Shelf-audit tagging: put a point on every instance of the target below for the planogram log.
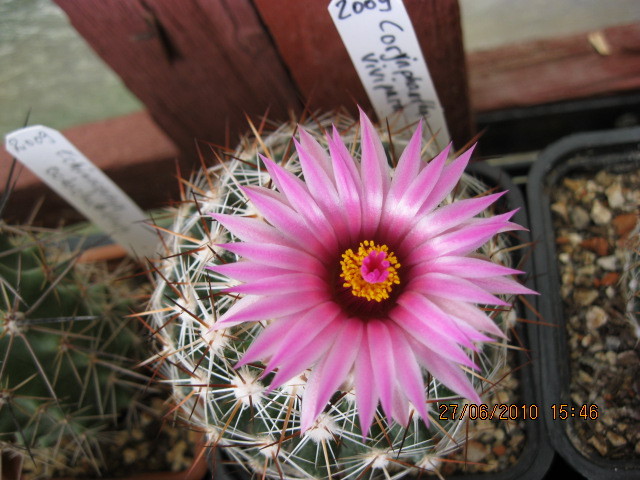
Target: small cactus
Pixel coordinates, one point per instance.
(66, 351)
(258, 427)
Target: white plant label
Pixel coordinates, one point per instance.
(384, 49)
(59, 164)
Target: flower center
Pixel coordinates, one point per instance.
(371, 272)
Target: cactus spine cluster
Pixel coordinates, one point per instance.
(258, 428)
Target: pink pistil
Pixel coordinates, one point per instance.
(375, 267)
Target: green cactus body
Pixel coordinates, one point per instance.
(256, 428)
(66, 352)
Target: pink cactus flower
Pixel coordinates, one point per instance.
(360, 273)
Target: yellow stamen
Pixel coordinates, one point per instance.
(379, 280)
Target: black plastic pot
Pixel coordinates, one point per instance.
(536, 456)
(617, 150)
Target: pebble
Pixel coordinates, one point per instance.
(605, 418)
(580, 218)
(575, 239)
(599, 445)
(616, 440)
(598, 245)
(560, 208)
(476, 451)
(612, 343)
(564, 257)
(596, 318)
(588, 270)
(608, 263)
(576, 186)
(592, 186)
(499, 450)
(608, 279)
(584, 377)
(628, 358)
(585, 297)
(600, 214)
(624, 223)
(615, 198)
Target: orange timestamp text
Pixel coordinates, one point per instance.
(473, 411)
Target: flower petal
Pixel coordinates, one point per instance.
(247, 271)
(420, 330)
(301, 335)
(453, 288)
(401, 212)
(300, 199)
(433, 320)
(445, 371)
(382, 363)
(408, 166)
(251, 229)
(277, 256)
(470, 314)
(253, 308)
(348, 186)
(366, 394)
(269, 340)
(462, 241)
(503, 285)
(293, 365)
(290, 283)
(374, 172)
(284, 218)
(448, 179)
(465, 267)
(332, 370)
(317, 157)
(400, 409)
(408, 373)
(452, 215)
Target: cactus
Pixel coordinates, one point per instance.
(257, 427)
(66, 350)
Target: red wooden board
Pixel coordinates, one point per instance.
(197, 65)
(555, 69)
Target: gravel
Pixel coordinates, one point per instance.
(594, 219)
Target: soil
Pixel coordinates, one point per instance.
(152, 445)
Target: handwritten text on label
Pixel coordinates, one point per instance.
(49, 155)
(384, 49)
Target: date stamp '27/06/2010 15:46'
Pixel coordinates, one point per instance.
(452, 411)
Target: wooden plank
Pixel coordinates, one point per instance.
(439, 30)
(318, 62)
(556, 69)
(197, 65)
(131, 150)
